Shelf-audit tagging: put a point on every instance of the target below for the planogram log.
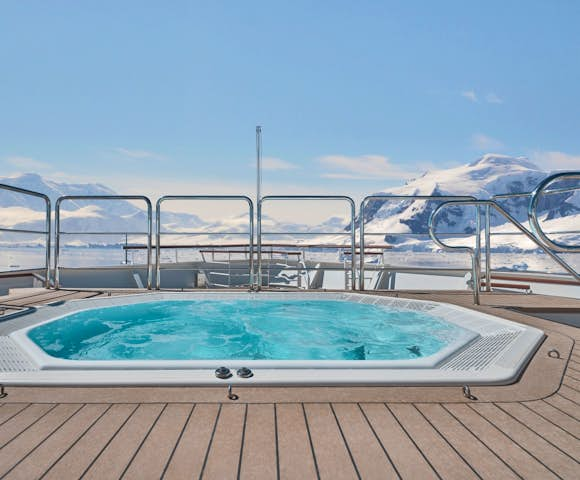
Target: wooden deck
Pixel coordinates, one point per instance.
(529, 430)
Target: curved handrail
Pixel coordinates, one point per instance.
(370, 198)
(259, 234)
(475, 258)
(158, 231)
(100, 197)
(533, 211)
(47, 230)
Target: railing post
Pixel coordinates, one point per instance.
(487, 248)
(476, 262)
(259, 245)
(47, 227)
(158, 243)
(361, 233)
(57, 243)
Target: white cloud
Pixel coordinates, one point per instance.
(273, 163)
(556, 160)
(481, 141)
(493, 98)
(138, 154)
(364, 167)
(490, 97)
(470, 95)
(27, 163)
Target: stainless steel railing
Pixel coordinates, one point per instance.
(538, 192)
(158, 232)
(475, 252)
(391, 198)
(59, 233)
(47, 223)
(341, 198)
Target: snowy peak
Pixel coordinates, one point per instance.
(498, 160)
(490, 175)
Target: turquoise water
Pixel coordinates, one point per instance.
(244, 329)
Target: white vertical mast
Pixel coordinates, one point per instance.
(258, 163)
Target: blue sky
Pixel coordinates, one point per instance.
(163, 97)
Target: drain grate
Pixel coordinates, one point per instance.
(12, 359)
(482, 352)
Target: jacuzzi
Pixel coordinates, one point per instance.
(286, 338)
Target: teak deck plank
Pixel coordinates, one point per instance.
(296, 460)
(155, 452)
(82, 453)
(48, 452)
(407, 458)
(259, 454)
(370, 458)
(9, 410)
(444, 459)
(331, 453)
(555, 416)
(223, 456)
(12, 453)
(117, 456)
(189, 454)
(481, 458)
(565, 405)
(502, 445)
(23, 420)
(551, 457)
(546, 429)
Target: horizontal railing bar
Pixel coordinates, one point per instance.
(204, 233)
(20, 230)
(103, 233)
(411, 234)
(306, 233)
(266, 245)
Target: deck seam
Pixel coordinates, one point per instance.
(80, 437)
(310, 442)
(566, 374)
(145, 437)
(514, 441)
(50, 434)
(344, 440)
(571, 388)
(379, 440)
(561, 411)
(413, 442)
(14, 414)
(447, 441)
(30, 426)
(210, 441)
(277, 442)
(550, 421)
(572, 401)
(108, 442)
(536, 434)
(168, 462)
(242, 441)
(485, 445)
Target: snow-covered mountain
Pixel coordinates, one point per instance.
(25, 212)
(488, 176)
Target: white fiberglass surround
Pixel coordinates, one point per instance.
(491, 350)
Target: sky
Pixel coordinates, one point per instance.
(156, 97)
